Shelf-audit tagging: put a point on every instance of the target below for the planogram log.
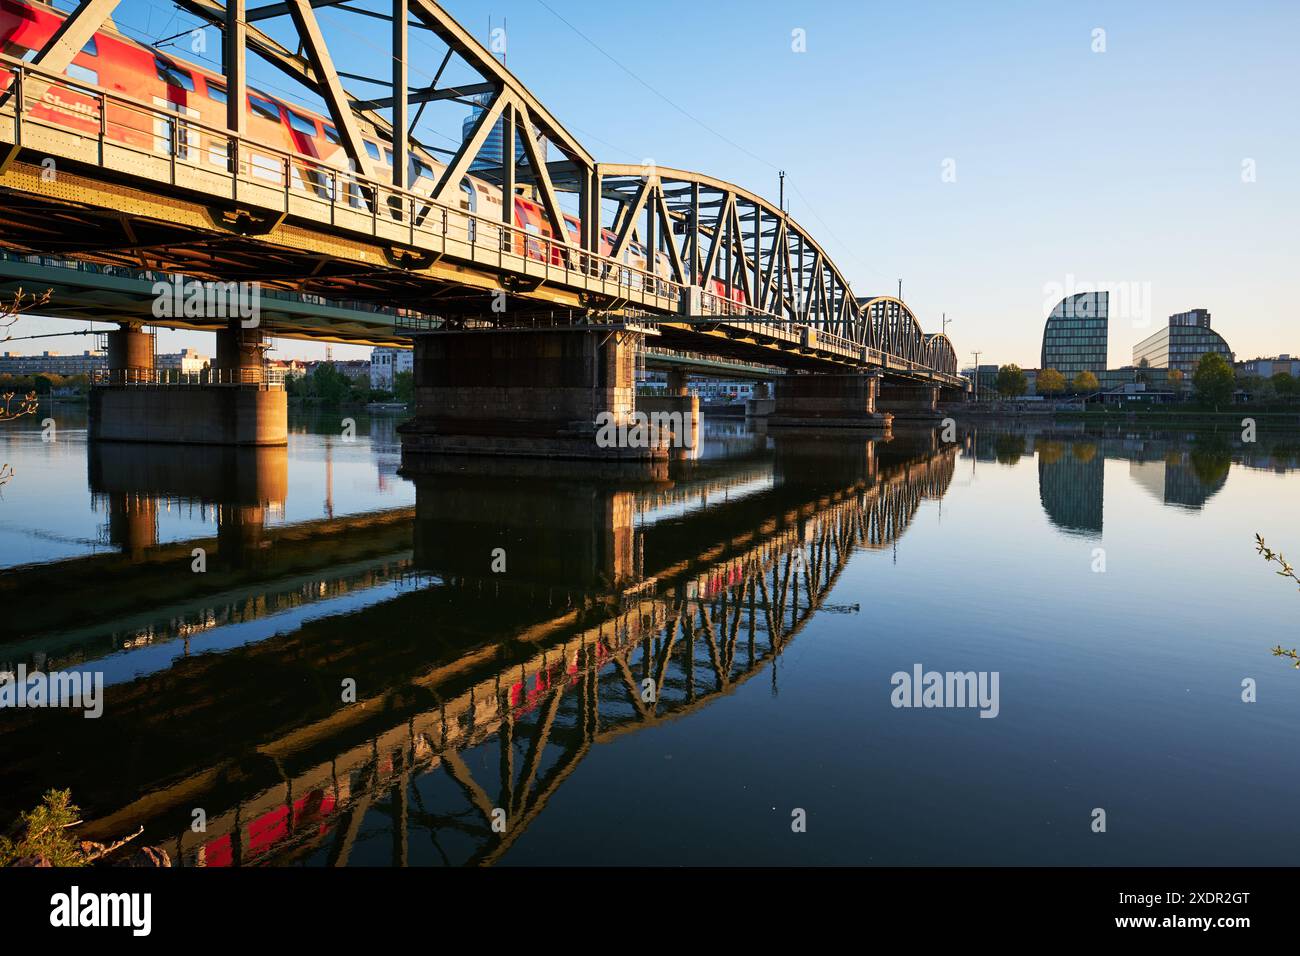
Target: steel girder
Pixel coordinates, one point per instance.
(939, 353)
(893, 328)
(713, 233)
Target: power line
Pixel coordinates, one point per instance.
(703, 125)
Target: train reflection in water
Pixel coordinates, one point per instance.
(622, 606)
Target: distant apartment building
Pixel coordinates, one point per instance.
(1181, 344)
(52, 363)
(356, 369)
(984, 380)
(290, 368)
(1076, 335)
(1268, 367)
(186, 360)
(385, 364)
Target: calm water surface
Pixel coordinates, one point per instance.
(567, 669)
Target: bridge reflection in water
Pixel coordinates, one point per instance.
(621, 607)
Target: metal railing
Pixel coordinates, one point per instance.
(195, 154)
(260, 377)
(398, 314)
(120, 133)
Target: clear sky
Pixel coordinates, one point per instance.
(985, 153)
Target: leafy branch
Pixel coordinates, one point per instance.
(27, 405)
(21, 302)
(44, 837)
(1286, 570)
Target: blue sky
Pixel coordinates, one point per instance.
(1121, 168)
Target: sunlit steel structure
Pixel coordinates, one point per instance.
(362, 235)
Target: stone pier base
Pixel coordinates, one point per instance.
(911, 402)
(518, 393)
(683, 421)
(189, 414)
(828, 401)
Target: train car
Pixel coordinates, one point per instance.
(132, 70)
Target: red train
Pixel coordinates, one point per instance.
(127, 68)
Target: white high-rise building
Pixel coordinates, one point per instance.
(386, 363)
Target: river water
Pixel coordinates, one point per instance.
(310, 659)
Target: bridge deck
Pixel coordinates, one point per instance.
(193, 199)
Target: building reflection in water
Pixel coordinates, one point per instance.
(1183, 477)
(1071, 484)
(1072, 475)
(623, 604)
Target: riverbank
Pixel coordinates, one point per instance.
(1169, 415)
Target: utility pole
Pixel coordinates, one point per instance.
(900, 290)
(977, 374)
(781, 202)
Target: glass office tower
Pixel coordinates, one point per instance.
(1075, 337)
(1182, 343)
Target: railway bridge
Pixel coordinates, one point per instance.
(525, 332)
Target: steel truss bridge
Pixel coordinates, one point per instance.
(717, 607)
(194, 204)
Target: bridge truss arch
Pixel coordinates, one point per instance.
(893, 328)
(940, 353)
(735, 244)
(728, 251)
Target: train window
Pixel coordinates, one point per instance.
(423, 169)
(16, 50)
(91, 48)
(302, 124)
(388, 156)
(174, 75)
(263, 167)
(332, 134)
(216, 93)
(372, 149)
(82, 75)
(264, 108)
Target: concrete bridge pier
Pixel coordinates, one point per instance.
(949, 395)
(914, 402)
(231, 403)
(829, 401)
(561, 394)
(683, 410)
(130, 352)
(240, 355)
(761, 405)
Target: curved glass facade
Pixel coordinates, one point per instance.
(1076, 335)
(1182, 343)
(493, 152)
